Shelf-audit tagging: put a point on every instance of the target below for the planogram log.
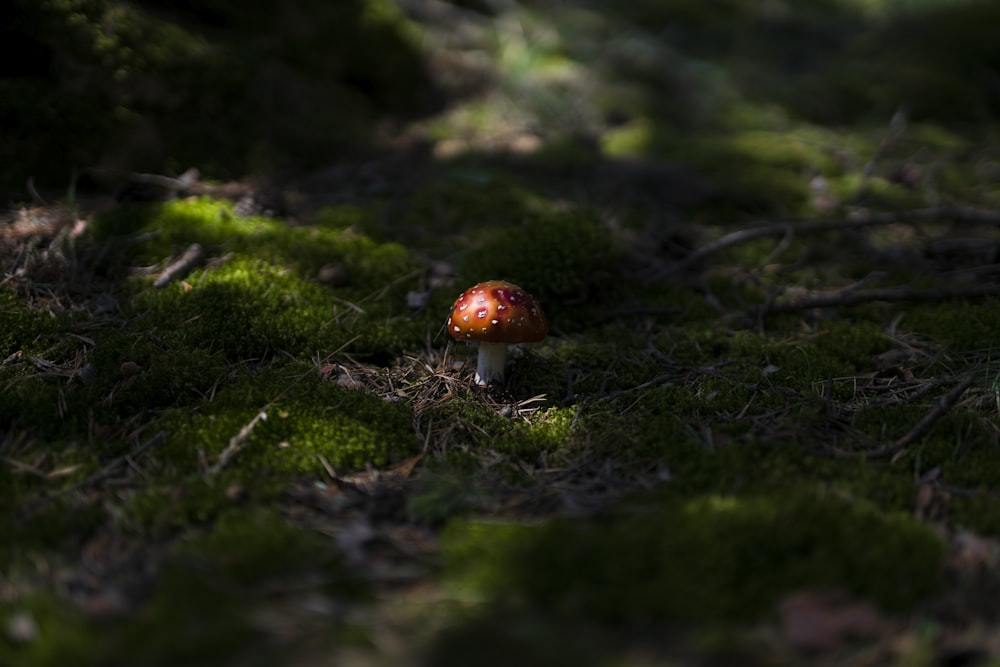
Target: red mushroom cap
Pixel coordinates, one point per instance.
(496, 311)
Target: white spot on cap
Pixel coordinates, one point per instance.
(457, 328)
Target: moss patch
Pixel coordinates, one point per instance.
(306, 418)
(266, 298)
(211, 592)
(20, 326)
(703, 560)
(568, 261)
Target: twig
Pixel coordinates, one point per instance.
(897, 125)
(943, 406)
(951, 214)
(655, 382)
(181, 266)
(236, 443)
(187, 181)
(34, 193)
(854, 298)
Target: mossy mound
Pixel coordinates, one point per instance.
(308, 420)
(267, 298)
(336, 237)
(247, 309)
(710, 559)
(568, 260)
(212, 591)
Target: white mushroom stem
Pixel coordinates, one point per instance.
(489, 366)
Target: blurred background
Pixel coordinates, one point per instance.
(778, 104)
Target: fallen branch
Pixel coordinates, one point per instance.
(186, 183)
(950, 214)
(854, 298)
(181, 266)
(897, 125)
(236, 443)
(939, 410)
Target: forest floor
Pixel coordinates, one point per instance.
(763, 429)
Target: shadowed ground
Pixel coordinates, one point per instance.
(762, 429)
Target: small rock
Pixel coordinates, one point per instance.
(417, 300)
(106, 303)
(87, 374)
(332, 274)
(22, 628)
(129, 368)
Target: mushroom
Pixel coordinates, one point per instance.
(493, 314)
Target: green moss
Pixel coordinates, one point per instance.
(34, 401)
(249, 309)
(20, 326)
(977, 512)
(959, 326)
(837, 349)
(245, 547)
(749, 361)
(710, 559)
(170, 377)
(630, 139)
(245, 310)
(548, 430)
(306, 418)
(567, 260)
(335, 238)
(64, 636)
(606, 360)
(440, 496)
(213, 582)
(265, 298)
(882, 194)
(61, 409)
(469, 197)
(59, 526)
(480, 429)
(177, 504)
(163, 229)
(653, 425)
